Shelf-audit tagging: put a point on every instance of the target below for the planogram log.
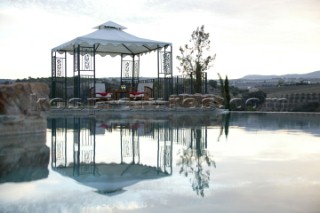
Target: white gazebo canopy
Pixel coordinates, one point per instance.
(110, 39)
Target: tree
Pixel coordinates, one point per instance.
(225, 91)
(213, 83)
(194, 59)
(256, 94)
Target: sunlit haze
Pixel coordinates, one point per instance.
(248, 36)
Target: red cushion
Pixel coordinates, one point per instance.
(104, 93)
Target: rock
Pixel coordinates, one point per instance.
(23, 98)
(24, 155)
(20, 107)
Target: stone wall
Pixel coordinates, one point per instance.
(196, 100)
(291, 102)
(23, 98)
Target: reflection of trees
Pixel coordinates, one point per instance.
(224, 125)
(196, 160)
(190, 131)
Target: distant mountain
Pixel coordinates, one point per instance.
(315, 74)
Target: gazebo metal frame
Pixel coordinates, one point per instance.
(109, 39)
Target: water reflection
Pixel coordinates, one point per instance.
(306, 122)
(265, 158)
(107, 176)
(195, 160)
(224, 129)
(133, 149)
(24, 158)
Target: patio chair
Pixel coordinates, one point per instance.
(144, 92)
(101, 93)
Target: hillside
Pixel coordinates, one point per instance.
(293, 89)
(315, 74)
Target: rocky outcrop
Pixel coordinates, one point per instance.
(23, 98)
(23, 157)
(20, 107)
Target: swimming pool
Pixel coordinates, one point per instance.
(237, 162)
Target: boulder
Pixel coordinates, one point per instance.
(20, 108)
(23, 98)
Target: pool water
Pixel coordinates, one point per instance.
(237, 162)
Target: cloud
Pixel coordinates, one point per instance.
(52, 5)
(256, 35)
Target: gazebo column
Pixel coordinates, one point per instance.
(135, 70)
(158, 70)
(84, 71)
(76, 93)
(121, 73)
(132, 79)
(165, 74)
(129, 69)
(59, 75)
(53, 74)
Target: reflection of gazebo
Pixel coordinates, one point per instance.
(108, 39)
(112, 178)
(78, 158)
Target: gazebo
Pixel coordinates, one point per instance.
(109, 39)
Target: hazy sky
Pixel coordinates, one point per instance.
(248, 36)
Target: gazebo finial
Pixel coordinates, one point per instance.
(110, 24)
